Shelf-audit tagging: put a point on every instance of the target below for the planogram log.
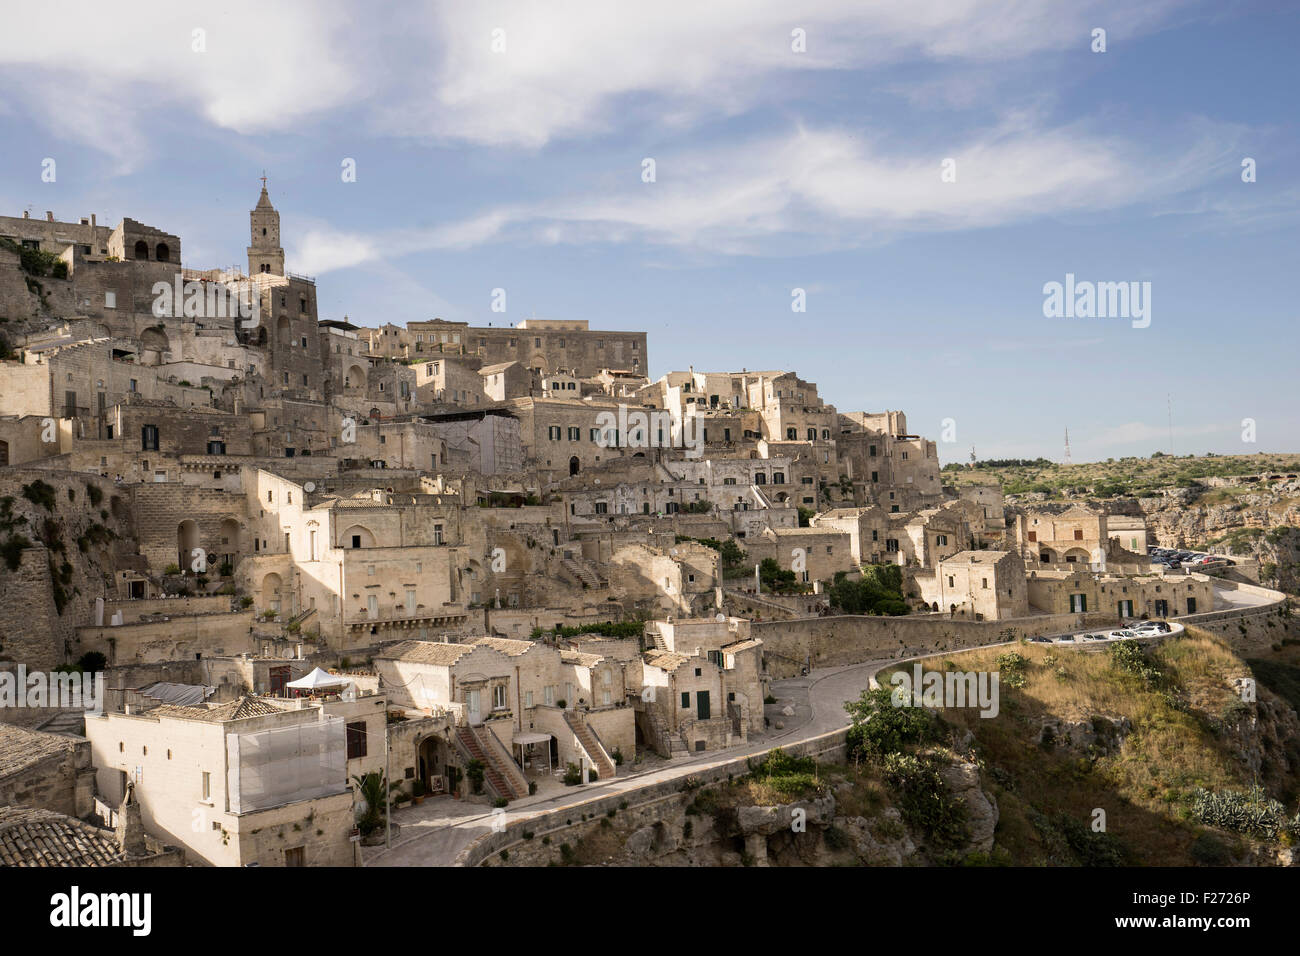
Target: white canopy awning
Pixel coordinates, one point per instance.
(318, 680)
(532, 738)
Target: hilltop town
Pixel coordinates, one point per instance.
(484, 564)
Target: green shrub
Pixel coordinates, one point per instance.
(39, 493)
(924, 801)
(879, 728)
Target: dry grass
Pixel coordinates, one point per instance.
(1145, 787)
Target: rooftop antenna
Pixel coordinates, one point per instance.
(1067, 446)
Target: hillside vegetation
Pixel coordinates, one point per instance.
(1158, 738)
(1116, 477)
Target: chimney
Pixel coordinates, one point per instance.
(26, 214)
(130, 827)
(49, 216)
(92, 219)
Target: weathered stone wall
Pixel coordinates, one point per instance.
(833, 641)
(208, 634)
(62, 782)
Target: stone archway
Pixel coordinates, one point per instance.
(187, 542)
(229, 540)
(272, 592)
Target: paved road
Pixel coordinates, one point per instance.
(433, 834)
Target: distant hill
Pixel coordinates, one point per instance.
(1116, 477)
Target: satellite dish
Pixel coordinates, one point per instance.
(721, 617)
(309, 487)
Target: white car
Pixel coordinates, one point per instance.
(1123, 635)
(1147, 627)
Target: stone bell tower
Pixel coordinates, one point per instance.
(265, 254)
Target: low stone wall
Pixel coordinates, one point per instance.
(852, 639)
(831, 747)
(226, 634)
(132, 611)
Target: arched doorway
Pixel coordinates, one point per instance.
(230, 544)
(574, 465)
(187, 542)
(358, 536)
(141, 249)
(432, 758)
(271, 588)
(162, 253)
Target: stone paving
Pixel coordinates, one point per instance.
(435, 832)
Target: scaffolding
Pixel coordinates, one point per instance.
(271, 768)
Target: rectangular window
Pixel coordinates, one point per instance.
(437, 534)
(356, 736)
(207, 785)
(686, 700)
(149, 438)
(110, 300)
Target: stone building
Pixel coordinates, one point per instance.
(1126, 596)
(978, 585)
(247, 782)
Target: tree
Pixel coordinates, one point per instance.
(879, 728)
(374, 788)
(878, 591)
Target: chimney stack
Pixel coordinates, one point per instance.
(130, 826)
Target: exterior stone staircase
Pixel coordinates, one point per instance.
(585, 572)
(601, 762)
(69, 722)
(496, 776)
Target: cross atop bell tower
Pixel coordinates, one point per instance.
(265, 255)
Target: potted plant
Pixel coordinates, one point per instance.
(417, 792)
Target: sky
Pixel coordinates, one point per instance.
(915, 173)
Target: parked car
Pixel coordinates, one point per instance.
(1040, 640)
(1094, 637)
(1067, 639)
(1123, 635)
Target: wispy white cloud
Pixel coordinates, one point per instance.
(816, 188)
(569, 69)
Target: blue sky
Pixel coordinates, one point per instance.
(521, 168)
